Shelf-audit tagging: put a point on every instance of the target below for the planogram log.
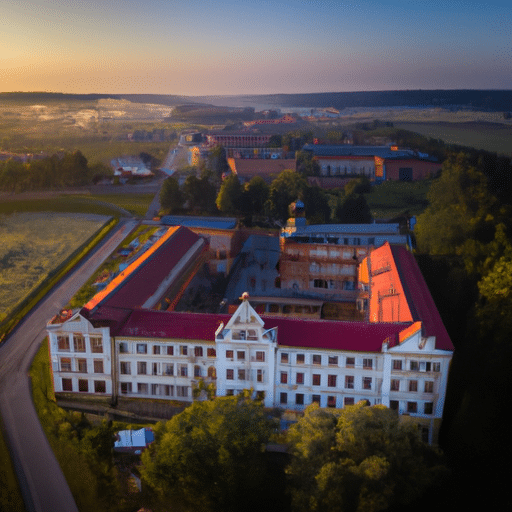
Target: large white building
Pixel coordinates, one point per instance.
(109, 350)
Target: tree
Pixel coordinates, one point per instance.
(306, 164)
(353, 209)
(217, 162)
(254, 196)
(359, 458)
(286, 188)
(461, 207)
(171, 198)
(211, 456)
(230, 195)
(200, 193)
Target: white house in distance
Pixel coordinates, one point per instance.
(126, 353)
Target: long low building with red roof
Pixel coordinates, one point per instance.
(400, 360)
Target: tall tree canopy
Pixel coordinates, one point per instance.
(358, 458)
(171, 198)
(211, 456)
(286, 188)
(230, 195)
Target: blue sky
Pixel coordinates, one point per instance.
(242, 47)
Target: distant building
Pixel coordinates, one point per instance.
(130, 166)
(376, 162)
(268, 169)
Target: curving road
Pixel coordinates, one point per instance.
(42, 482)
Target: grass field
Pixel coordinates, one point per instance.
(137, 204)
(392, 198)
(488, 136)
(33, 244)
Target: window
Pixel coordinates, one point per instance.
(126, 387)
(96, 345)
(333, 360)
(317, 359)
(65, 364)
(348, 400)
(81, 365)
(67, 385)
(319, 283)
(98, 366)
(259, 375)
(78, 343)
(154, 389)
(210, 352)
(299, 378)
(315, 399)
(154, 369)
(141, 368)
(397, 364)
(349, 381)
(230, 392)
(142, 348)
(284, 357)
(183, 369)
(99, 386)
(393, 405)
(283, 398)
(414, 366)
(331, 401)
(429, 386)
(412, 407)
(142, 388)
(198, 351)
(351, 362)
(83, 385)
(156, 350)
(260, 395)
(395, 385)
(168, 369)
(240, 355)
(125, 368)
(170, 350)
(300, 358)
(413, 386)
(260, 356)
(367, 383)
(284, 378)
(316, 379)
(63, 343)
(168, 390)
(436, 367)
(331, 381)
(367, 364)
(229, 354)
(182, 391)
(230, 374)
(241, 374)
(183, 350)
(197, 371)
(428, 408)
(123, 348)
(299, 399)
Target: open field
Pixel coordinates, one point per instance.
(392, 198)
(33, 244)
(494, 137)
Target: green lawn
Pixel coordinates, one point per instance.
(393, 198)
(492, 137)
(137, 204)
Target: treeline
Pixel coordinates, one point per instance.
(53, 172)
(464, 245)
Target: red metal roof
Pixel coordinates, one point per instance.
(291, 332)
(137, 283)
(419, 299)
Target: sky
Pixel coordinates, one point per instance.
(226, 47)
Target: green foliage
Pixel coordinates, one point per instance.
(286, 188)
(229, 199)
(358, 458)
(254, 196)
(82, 450)
(353, 209)
(200, 194)
(459, 208)
(217, 162)
(306, 164)
(211, 456)
(171, 198)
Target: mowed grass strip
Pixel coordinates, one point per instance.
(33, 244)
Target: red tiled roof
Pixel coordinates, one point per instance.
(249, 167)
(291, 332)
(137, 283)
(419, 299)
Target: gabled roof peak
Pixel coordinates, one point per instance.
(245, 314)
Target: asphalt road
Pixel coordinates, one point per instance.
(42, 482)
